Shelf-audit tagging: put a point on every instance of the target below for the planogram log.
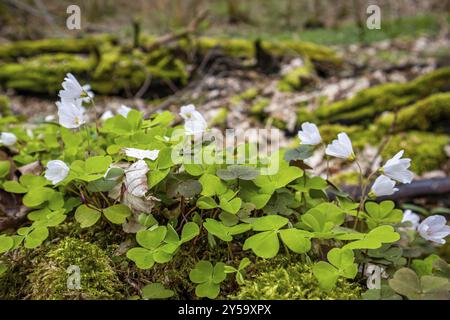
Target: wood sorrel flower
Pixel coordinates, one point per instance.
(56, 171)
(412, 218)
(8, 138)
(106, 115)
(136, 178)
(383, 186)
(124, 110)
(70, 113)
(341, 147)
(309, 134)
(434, 228)
(397, 168)
(141, 154)
(74, 91)
(194, 121)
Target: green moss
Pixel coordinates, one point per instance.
(43, 73)
(220, 118)
(258, 107)
(292, 281)
(61, 45)
(239, 47)
(430, 114)
(358, 134)
(425, 149)
(369, 103)
(346, 178)
(98, 279)
(5, 109)
(247, 96)
(295, 79)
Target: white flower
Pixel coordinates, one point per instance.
(88, 92)
(106, 115)
(397, 168)
(341, 147)
(434, 228)
(123, 110)
(50, 118)
(73, 90)
(141, 154)
(383, 186)
(413, 218)
(70, 113)
(309, 134)
(136, 178)
(56, 171)
(8, 138)
(194, 123)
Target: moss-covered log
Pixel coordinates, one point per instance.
(369, 103)
(30, 48)
(429, 114)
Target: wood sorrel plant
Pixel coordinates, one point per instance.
(124, 171)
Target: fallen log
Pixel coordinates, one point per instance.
(416, 189)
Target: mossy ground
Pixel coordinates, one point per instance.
(290, 279)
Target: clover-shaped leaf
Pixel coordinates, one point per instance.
(6, 243)
(207, 278)
(224, 232)
(156, 291)
(211, 185)
(86, 216)
(239, 271)
(407, 283)
(302, 152)
(341, 263)
(117, 213)
(382, 213)
(372, 240)
(238, 172)
(266, 244)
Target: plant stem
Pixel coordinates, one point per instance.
(97, 126)
(88, 136)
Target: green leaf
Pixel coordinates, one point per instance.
(208, 289)
(86, 216)
(206, 203)
(36, 237)
(156, 176)
(341, 264)
(6, 243)
(382, 213)
(406, 282)
(142, 257)
(37, 196)
(5, 166)
(224, 232)
(156, 291)
(208, 278)
(233, 172)
(272, 222)
(117, 214)
(151, 239)
(211, 185)
(326, 274)
(285, 175)
(189, 188)
(302, 152)
(14, 187)
(375, 238)
(194, 169)
(295, 240)
(264, 244)
(202, 272)
(189, 232)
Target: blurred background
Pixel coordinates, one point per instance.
(247, 64)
